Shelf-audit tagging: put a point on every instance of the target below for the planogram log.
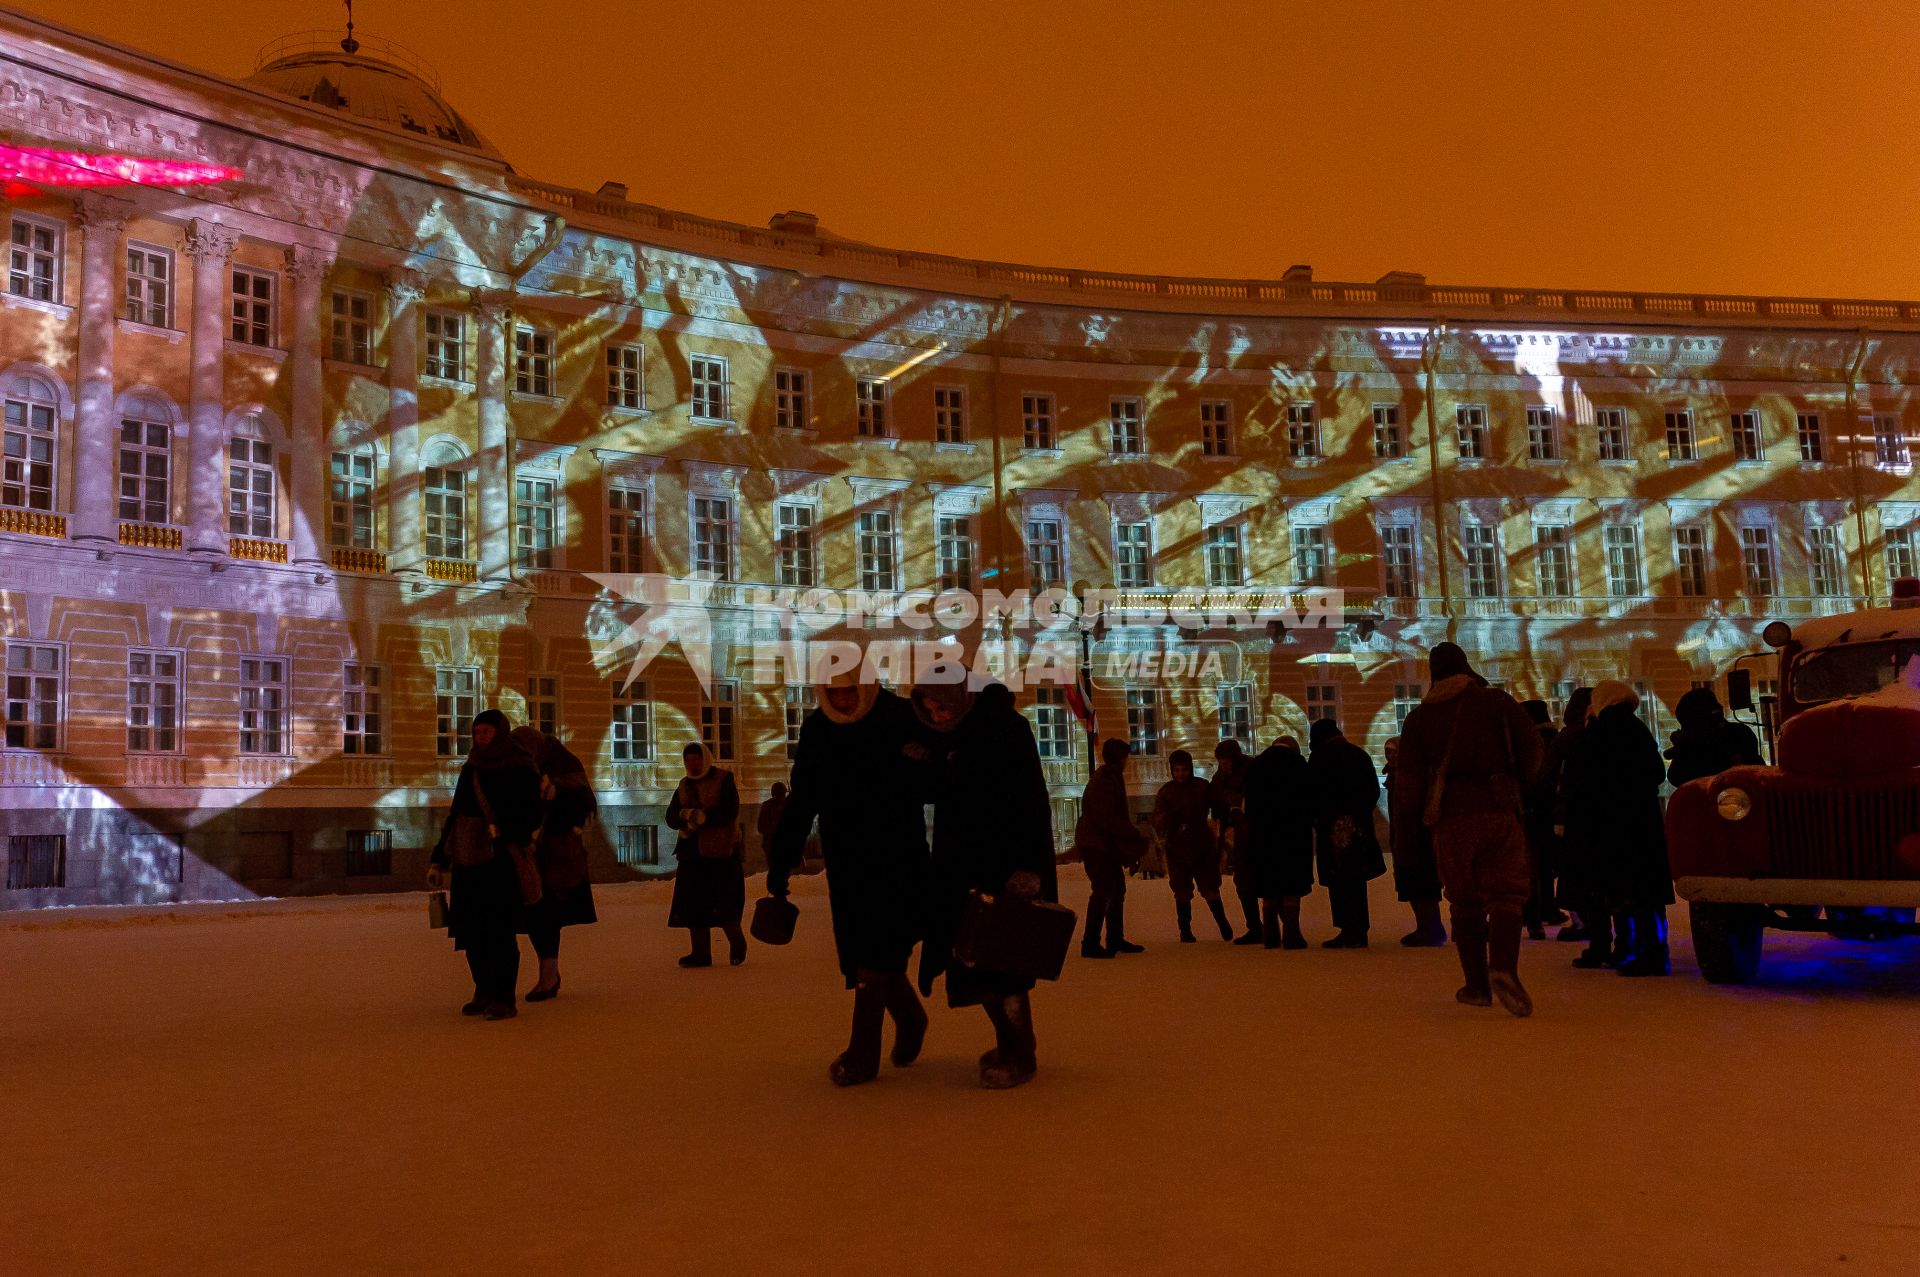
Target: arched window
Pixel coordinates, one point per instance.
(350, 510)
(444, 480)
(251, 485)
(31, 437)
(146, 433)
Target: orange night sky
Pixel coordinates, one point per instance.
(1753, 146)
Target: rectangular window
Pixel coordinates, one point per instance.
(536, 517)
(1890, 444)
(456, 699)
(1826, 562)
(363, 719)
(352, 315)
(878, 550)
(638, 846)
(1481, 544)
(790, 392)
(533, 361)
(1543, 434)
(1745, 428)
(445, 497)
(369, 853)
(632, 724)
(1756, 561)
(870, 403)
(1682, 445)
(708, 375)
(1470, 423)
(797, 544)
(149, 292)
(626, 529)
(1387, 443)
(1397, 559)
(36, 681)
(1806, 428)
(145, 459)
(350, 509)
(1132, 555)
(250, 299)
(1900, 560)
(800, 702)
(1610, 427)
(1036, 421)
(1690, 560)
(1126, 432)
(153, 702)
(1406, 698)
(1236, 712)
(543, 703)
(36, 862)
(1046, 555)
(1216, 428)
(954, 551)
(1622, 544)
(26, 474)
(1143, 721)
(250, 488)
(1303, 432)
(35, 258)
(949, 414)
(717, 721)
(1553, 544)
(1223, 555)
(624, 387)
(1323, 701)
(1310, 555)
(713, 537)
(446, 349)
(1052, 721)
(263, 705)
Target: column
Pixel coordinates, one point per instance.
(404, 288)
(310, 459)
(96, 434)
(493, 315)
(211, 246)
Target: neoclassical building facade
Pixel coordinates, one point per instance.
(305, 466)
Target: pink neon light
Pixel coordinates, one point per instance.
(44, 166)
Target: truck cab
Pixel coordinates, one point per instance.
(1828, 838)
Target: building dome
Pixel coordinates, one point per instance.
(370, 79)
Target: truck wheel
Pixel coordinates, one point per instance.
(1726, 940)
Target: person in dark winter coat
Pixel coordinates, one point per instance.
(709, 880)
(1708, 742)
(767, 820)
(496, 803)
(1193, 860)
(1416, 875)
(851, 773)
(1108, 843)
(1541, 908)
(1468, 753)
(1550, 802)
(1615, 830)
(1280, 816)
(566, 894)
(992, 834)
(1227, 802)
(1346, 851)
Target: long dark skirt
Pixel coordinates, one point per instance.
(708, 891)
(484, 902)
(554, 910)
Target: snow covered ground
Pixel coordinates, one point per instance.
(287, 1087)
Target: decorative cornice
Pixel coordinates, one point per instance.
(1047, 498)
(1133, 507)
(1553, 511)
(305, 262)
(1688, 509)
(871, 490)
(957, 498)
(405, 285)
(210, 240)
(714, 478)
(641, 466)
(538, 454)
(1220, 507)
(1313, 511)
(107, 214)
(809, 484)
(1898, 514)
(492, 306)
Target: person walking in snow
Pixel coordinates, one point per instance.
(766, 821)
(560, 850)
(1227, 800)
(1618, 835)
(1193, 860)
(1280, 806)
(1416, 875)
(852, 775)
(709, 880)
(1346, 851)
(1108, 842)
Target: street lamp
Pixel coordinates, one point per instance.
(1091, 629)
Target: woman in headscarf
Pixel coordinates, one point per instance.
(992, 834)
(1616, 834)
(710, 883)
(851, 773)
(566, 895)
(496, 803)
(1193, 861)
(1346, 849)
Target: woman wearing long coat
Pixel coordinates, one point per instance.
(566, 894)
(1616, 836)
(992, 834)
(1280, 813)
(1346, 849)
(852, 774)
(496, 803)
(709, 881)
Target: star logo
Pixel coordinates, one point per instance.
(675, 611)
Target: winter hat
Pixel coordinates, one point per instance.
(1114, 751)
(1229, 750)
(1537, 711)
(1447, 660)
(1610, 692)
(1579, 705)
(1323, 730)
(503, 750)
(1698, 707)
(1179, 758)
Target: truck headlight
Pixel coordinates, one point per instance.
(1733, 804)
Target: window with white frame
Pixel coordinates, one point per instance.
(153, 702)
(1046, 554)
(146, 444)
(637, 846)
(791, 389)
(1052, 721)
(1690, 560)
(1133, 555)
(36, 257)
(30, 439)
(717, 721)
(536, 519)
(1756, 560)
(1480, 542)
(1235, 701)
(445, 354)
(1610, 429)
(363, 718)
(444, 496)
(1553, 560)
(632, 724)
(1470, 424)
(877, 544)
(1900, 553)
(1406, 699)
(800, 701)
(543, 703)
(251, 487)
(625, 390)
(1387, 442)
(1744, 427)
(949, 414)
(626, 528)
(870, 404)
(1126, 432)
(1682, 443)
(36, 695)
(1216, 428)
(707, 375)
(456, 699)
(352, 326)
(1224, 560)
(796, 544)
(1036, 422)
(712, 539)
(251, 294)
(149, 281)
(1621, 541)
(263, 705)
(1826, 563)
(1806, 429)
(953, 551)
(1543, 434)
(1397, 559)
(350, 502)
(533, 361)
(1143, 721)
(1890, 444)
(1323, 701)
(1303, 432)
(1310, 554)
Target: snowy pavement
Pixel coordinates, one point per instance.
(288, 1088)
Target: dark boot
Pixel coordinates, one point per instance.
(1013, 1061)
(1599, 950)
(1503, 963)
(1626, 938)
(1117, 941)
(1291, 937)
(1470, 941)
(909, 1022)
(1090, 946)
(1649, 955)
(860, 1062)
(1219, 909)
(1249, 905)
(1429, 932)
(1270, 924)
(1183, 912)
(736, 945)
(701, 952)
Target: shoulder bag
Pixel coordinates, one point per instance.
(525, 867)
